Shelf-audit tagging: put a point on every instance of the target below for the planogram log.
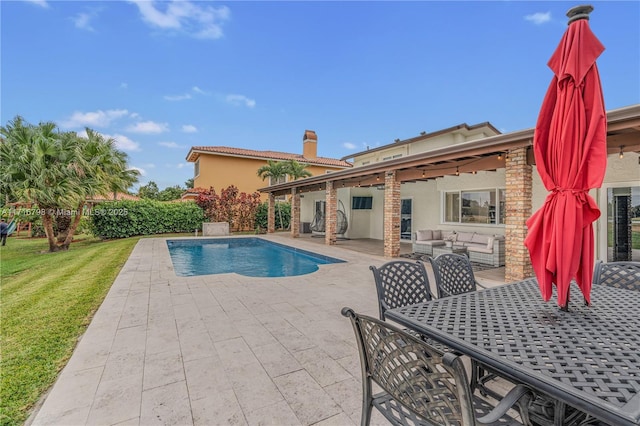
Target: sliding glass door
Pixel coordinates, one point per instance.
(622, 224)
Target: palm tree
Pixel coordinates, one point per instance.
(102, 170)
(274, 170)
(297, 170)
(58, 171)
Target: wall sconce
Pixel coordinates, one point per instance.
(499, 156)
(621, 152)
(378, 177)
(457, 171)
(423, 173)
(475, 172)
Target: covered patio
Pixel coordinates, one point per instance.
(510, 152)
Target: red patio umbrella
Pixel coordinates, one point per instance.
(570, 147)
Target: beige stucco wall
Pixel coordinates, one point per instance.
(222, 171)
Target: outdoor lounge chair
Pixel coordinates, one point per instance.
(625, 275)
(420, 386)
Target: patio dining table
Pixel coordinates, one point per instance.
(588, 358)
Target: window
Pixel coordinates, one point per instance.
(196, 168)
(361, 203)
(482, 206)
(281, 179)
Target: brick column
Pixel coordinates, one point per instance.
(330, 214)
(271, 214)
(295, 213)
(518, 210)
(391, 215)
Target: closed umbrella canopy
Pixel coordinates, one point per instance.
(570, 147)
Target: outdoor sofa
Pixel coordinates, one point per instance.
(481, 248)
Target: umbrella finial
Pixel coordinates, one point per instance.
(579, 12)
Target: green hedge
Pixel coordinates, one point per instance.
(122, 219)
(280, 207)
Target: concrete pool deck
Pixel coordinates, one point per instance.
(219, 349)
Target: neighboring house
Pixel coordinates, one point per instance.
(486, 183)
(221, 166)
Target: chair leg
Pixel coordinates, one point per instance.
(367, 403)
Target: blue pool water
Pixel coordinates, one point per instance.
(252, 257)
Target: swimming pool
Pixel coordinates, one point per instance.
(252, 257)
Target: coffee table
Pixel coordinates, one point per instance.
(438, 250)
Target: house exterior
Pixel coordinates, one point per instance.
(443, 179)
(221, 166)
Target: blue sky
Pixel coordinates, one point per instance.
(160, 77)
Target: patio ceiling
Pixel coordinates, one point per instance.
(485, 154)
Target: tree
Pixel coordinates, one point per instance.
(170, 193)
(274, 170)
(297, 170)
(189, 183)
(57, 171)
(149, 191)
(105, 172)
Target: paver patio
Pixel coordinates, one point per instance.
(219, 349)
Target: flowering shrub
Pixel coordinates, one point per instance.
(232, 206)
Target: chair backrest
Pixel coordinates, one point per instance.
(430, 385)
(400, 283)
(624, 275)
(454, 274)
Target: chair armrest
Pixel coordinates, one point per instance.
(510, 399)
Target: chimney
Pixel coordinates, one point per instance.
(310, 145)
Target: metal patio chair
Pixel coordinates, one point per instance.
(625, 275)
(420, 386)
(400, 283)
(454, 274)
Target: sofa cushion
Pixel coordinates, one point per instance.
(479, 249)
(437, 235)
(430, 242)
(426, 234)
(480, 238)
(464, 236)
(448, 235)
(490, 241)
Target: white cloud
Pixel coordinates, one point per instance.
(349, 145)
(123, 143)
(539, 18)
(239, 100)
(171, 145)
(83, 21)
(196, 20)
(196, 89)
(94, 119)
(189, 128)
(148, 166)
(148, 127)
(183, 165)
(178, 97)
(124, 86)
(41, 3)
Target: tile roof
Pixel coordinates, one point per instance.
(268, 155)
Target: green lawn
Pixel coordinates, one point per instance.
(47, 301)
